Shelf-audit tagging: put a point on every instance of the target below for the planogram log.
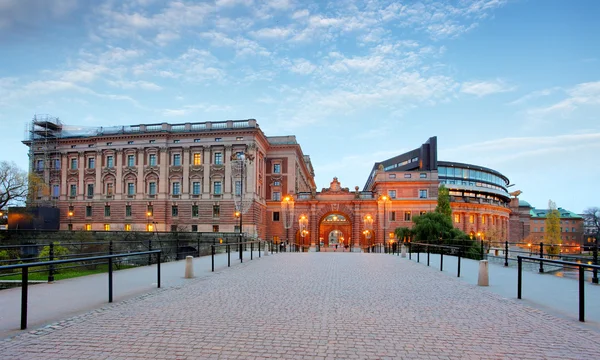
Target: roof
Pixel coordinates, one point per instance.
(524, 203)
(542, 213)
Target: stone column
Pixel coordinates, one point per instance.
(163, 181)
(185, 182)
(139, 158)
(119, 166)
(356, 225)
(227, 181)
(99, 184)
(314, 226)
(206, 156)
(64, 185)
(81, 170)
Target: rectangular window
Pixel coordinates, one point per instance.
(88, 211)
(107, 210)
(176, 159)
(534, 229)
(106, 227)
(407, 176)
(128, 210)
(197, 159)
(218, 139)
(422, 194)
(423, 212)
(127, 227)
(176, 141)
(216, 211)
(457, 218)
(194, 210)
(55, 190)
(483, 219)
(130, 189)
(276, 183)
(150, 227)
(471, 219)
(152, 188)
(110, 161)
(109, 143)
(109, 189)
(217, 188)
(423, 175)
(130, 160)
(276, 168)
(542, 228)
(176, 188)
(392, 176)
(218, 158)
(275, 215)
(73, 164)
(392, 216)
(392, 194)
(56, 164)
(196, 188)
(88, 227)
(196, 140)
(239, 138)
(276, 196)
(238, 188)
(91, 163)
(151, 141)
(90, 190)
(566, 229)
(73, 190)
(572, 229)
(407, 216)
(215, 228)
(150, 210)
(130, 142)
(152, 159)
(174, 211)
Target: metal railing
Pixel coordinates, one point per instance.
(453, 250)
(241, 253)
(25, 274)
(581, 268)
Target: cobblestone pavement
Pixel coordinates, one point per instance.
(313, 306)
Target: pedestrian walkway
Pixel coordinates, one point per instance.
(315, 306)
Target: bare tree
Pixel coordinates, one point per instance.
(13, 184)
(592, 218)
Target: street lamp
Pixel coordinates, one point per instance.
(303, 224)
(70, 216)
(239, 161)
(384, 200)
(287, 208)
(368, 222)
(148, 226)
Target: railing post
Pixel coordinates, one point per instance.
(110, 272)
(198, 245)
(427, 246)
(418, 255)
(259, 249)
(24, 288)
(158, 269)
(150, 249)
(441, 259)
(458, 271)
(506, 253)
(594, 270)
(519, 279)
(581, 294)
(482, 250)
(251, 249)
(410, 251)
(212, 257)
(228, 255)
(51, 267)
(541, 257)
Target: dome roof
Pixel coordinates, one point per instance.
(524, 203)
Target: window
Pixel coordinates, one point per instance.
(152, 159)
(88, 227)
(106, 227)
(276, 196)
(216, 211)
(275, 215)
(239, 138)
(150, 210)
(196, 188)
(150, 227)
(423, 175)
(110, 161)
(238, 188)
(457, 218)
(542, 228)
(109, 143)
(534, 229)
(215, 228)
(493, 220)
(130, 142)
(55, 190)
(109, 189)
(217, 188)
(194, 210)
(218, 139)
(567, 229)
(392, 216)
(174, 211)
(423, 212)
(73, 190)
(392, 176)
(194, 228)
(90, 190)
(176, 188)
(276, 183)
(107, 210)
(471, 219)
(56, 164)
(130, 188)
(39, 165)
(572, 229)
(196, 140)
(128, 210)
(407, 176)
(73, 163)
(151, 141)
(130, 160)
(152, 188)
(176, 159)
(91, 163)
(276, 168)
(218, 158)
(407, 216)
(127, 227)
(88, 211)
(422, 194)
(197, 159)
(176, 141)
(392, 194)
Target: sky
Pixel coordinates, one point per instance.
(513, 85)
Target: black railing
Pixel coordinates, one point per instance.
(453, 250)
(241, 255)
(581, 268)
(25, 274)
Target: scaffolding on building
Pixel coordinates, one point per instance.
(43, 135)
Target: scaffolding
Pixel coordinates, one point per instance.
(43, 135)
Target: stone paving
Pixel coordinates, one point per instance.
(313, 306)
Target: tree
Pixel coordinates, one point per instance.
(403, 233)
(552, 235)
(13, 184)
(592, 218)
(435, 226)
(443, 205)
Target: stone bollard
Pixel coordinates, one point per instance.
(189, 267)
(484, 278)
(403, 251)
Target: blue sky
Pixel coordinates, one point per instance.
(513, 85)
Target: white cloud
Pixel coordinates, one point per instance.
(272, 33)
(300, 14)
(584, 94)
(231, 3)
(483, 88)
(534, 95)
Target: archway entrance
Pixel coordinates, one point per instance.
(335, 233)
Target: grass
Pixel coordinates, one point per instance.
(66, 273)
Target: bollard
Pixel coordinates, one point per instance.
(403, 251)
(189, 267)
(483, 279)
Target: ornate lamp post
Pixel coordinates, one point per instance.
(385, 201)
(303, 224)
(287, 209)
(239, 162)
(148, 226)
(368, 222)
(70, 216)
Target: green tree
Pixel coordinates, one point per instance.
(434, 226)
(403, 233)
(443, 202)
(552, 229)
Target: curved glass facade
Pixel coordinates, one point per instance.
(470, 177)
